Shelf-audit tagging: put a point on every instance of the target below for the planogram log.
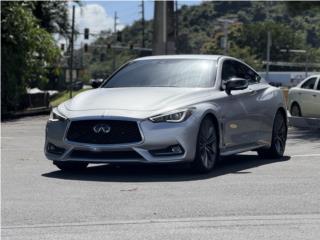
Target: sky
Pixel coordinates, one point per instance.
(99, 15)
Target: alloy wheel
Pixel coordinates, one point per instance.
(208, 144)
(295, 111)
(280, 135)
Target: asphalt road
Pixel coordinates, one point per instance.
(244, 198)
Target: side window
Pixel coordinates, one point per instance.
(309, 84)
(231, 69)
(318, 88)
(246, 73)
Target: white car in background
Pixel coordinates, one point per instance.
(304, 99)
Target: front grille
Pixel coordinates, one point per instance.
(118, 132)
(114, 155)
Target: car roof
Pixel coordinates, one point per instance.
(184, 56)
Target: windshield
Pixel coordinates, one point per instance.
(184, 73)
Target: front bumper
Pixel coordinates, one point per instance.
(155, 136)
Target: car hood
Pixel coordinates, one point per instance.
(138, 99)
(132, 102)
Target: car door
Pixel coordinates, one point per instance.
(307, 95)
(241, 115)
(261, 101)
(316, 97)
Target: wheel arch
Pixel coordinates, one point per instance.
(283, 111)
(294, 102)
(215, 120)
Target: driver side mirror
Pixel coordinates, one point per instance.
(236, 84)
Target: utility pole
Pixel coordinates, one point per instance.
(177, 21)
(163, 28)
(115, 36)
(307, 63)
(269, 43)
(71, 52)
(142, 23)
(115, 22)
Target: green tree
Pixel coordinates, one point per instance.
(283, 36)
(52, 15)
(27, 51)
(245, 53)
(298, 7)
(199, 30)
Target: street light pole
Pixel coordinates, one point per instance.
(115, 36)
(307, 63)
(269, 40)
(71, 52)
(225, 33)
(226, 23)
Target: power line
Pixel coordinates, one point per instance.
(130, 13)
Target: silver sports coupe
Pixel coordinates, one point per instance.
(170, 109)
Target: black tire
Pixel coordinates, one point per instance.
(279, 138)
(207, 152)
(71, 166)
(295, 110)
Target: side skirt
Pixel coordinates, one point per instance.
(248, 147)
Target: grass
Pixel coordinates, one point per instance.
(64, 96)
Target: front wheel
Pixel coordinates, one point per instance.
(71, 166)
(279, 138)
(207, 147)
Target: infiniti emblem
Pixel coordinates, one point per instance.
(101, 128)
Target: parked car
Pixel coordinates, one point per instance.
(169, 109)
(76, 86)
(95, 83)
(304, 99)
(275, 84)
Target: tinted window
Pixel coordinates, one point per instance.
(229, 70)
(165, 73)
(318, 88)
(234, 69)
(309, 84)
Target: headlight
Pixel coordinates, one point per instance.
(173, 117)
(56, 116)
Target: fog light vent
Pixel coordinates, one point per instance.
(51, 148)
(169, 151)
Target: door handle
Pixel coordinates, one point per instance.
(314, 95)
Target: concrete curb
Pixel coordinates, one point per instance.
(25, 113)
(301, 122)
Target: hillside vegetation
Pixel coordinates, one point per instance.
(199, 32)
